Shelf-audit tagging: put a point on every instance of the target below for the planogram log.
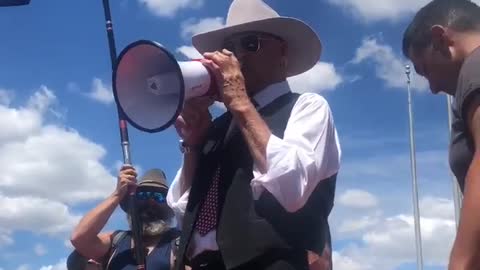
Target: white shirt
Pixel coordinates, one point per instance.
(308, 153)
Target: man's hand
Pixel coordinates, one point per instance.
(127, 180)
(193, 123)
(229, 77)
(228, 74)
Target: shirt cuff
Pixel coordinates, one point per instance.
(275, 146)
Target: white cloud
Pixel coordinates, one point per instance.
(168, 8)
(55, 158)
(388, 66)
(47, 167)
(383, 236)
(358, 199)
(433, 207)
(5, 238)
(372, 10)
(41, 100)
(21, 122)
(6, 97)
(101, 92)
(40, 250)
(60, 265)
(192, 27)
(341, 262)
(351, 226)
(24, 267)
(190, 52)
(36, 215)
(390, 10)
(389, 242)
(321, 77)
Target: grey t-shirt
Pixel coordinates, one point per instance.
(462, 145)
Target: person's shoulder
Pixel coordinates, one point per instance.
(312, 99)
(471, 66)
(468, 80)
(474, 57)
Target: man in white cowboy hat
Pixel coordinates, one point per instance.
(113, 250)
(257, 184)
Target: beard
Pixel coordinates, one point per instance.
(152, 226)
(155, 228)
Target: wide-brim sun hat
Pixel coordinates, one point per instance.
(304, 45)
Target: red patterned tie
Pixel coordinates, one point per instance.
(207, 218)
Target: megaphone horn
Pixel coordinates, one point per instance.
(150, 86)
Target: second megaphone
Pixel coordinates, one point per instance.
(150, 86)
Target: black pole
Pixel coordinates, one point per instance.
(136, 225)
(12, 3)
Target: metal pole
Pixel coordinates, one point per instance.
(136, 224)
(416, 210)
(457, 193)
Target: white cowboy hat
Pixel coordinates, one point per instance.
(304, 46)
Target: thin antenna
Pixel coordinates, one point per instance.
(413, 165)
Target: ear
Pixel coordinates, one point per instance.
(441, 40)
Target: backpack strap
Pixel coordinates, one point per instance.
(174, 246)
(117, 237)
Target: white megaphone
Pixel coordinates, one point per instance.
(150, 86)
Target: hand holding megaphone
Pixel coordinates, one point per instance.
(226, 69)
(193, 123)
(150, 87)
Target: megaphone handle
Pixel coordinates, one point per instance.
(125, 141)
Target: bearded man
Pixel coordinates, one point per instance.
(114, 250)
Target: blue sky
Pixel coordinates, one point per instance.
(60, 145)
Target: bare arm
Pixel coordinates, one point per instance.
(466, 249)
(254, 130)
(227, 71)
(86, 237)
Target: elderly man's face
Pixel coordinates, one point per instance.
(154, 212)
(261, 56)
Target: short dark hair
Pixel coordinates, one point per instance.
(460, 15)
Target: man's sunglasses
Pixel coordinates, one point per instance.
(150, 195)
(249, 43)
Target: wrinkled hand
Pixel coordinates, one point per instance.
(229, 77)
(127, 181)
(193, 123)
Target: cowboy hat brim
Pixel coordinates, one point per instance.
(304, 46)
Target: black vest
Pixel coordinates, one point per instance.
(249, 229)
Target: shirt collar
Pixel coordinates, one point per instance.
(270, 93)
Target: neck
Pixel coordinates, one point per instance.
(468, 42)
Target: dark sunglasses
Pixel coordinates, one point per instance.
(249, 43)
(154, 195)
